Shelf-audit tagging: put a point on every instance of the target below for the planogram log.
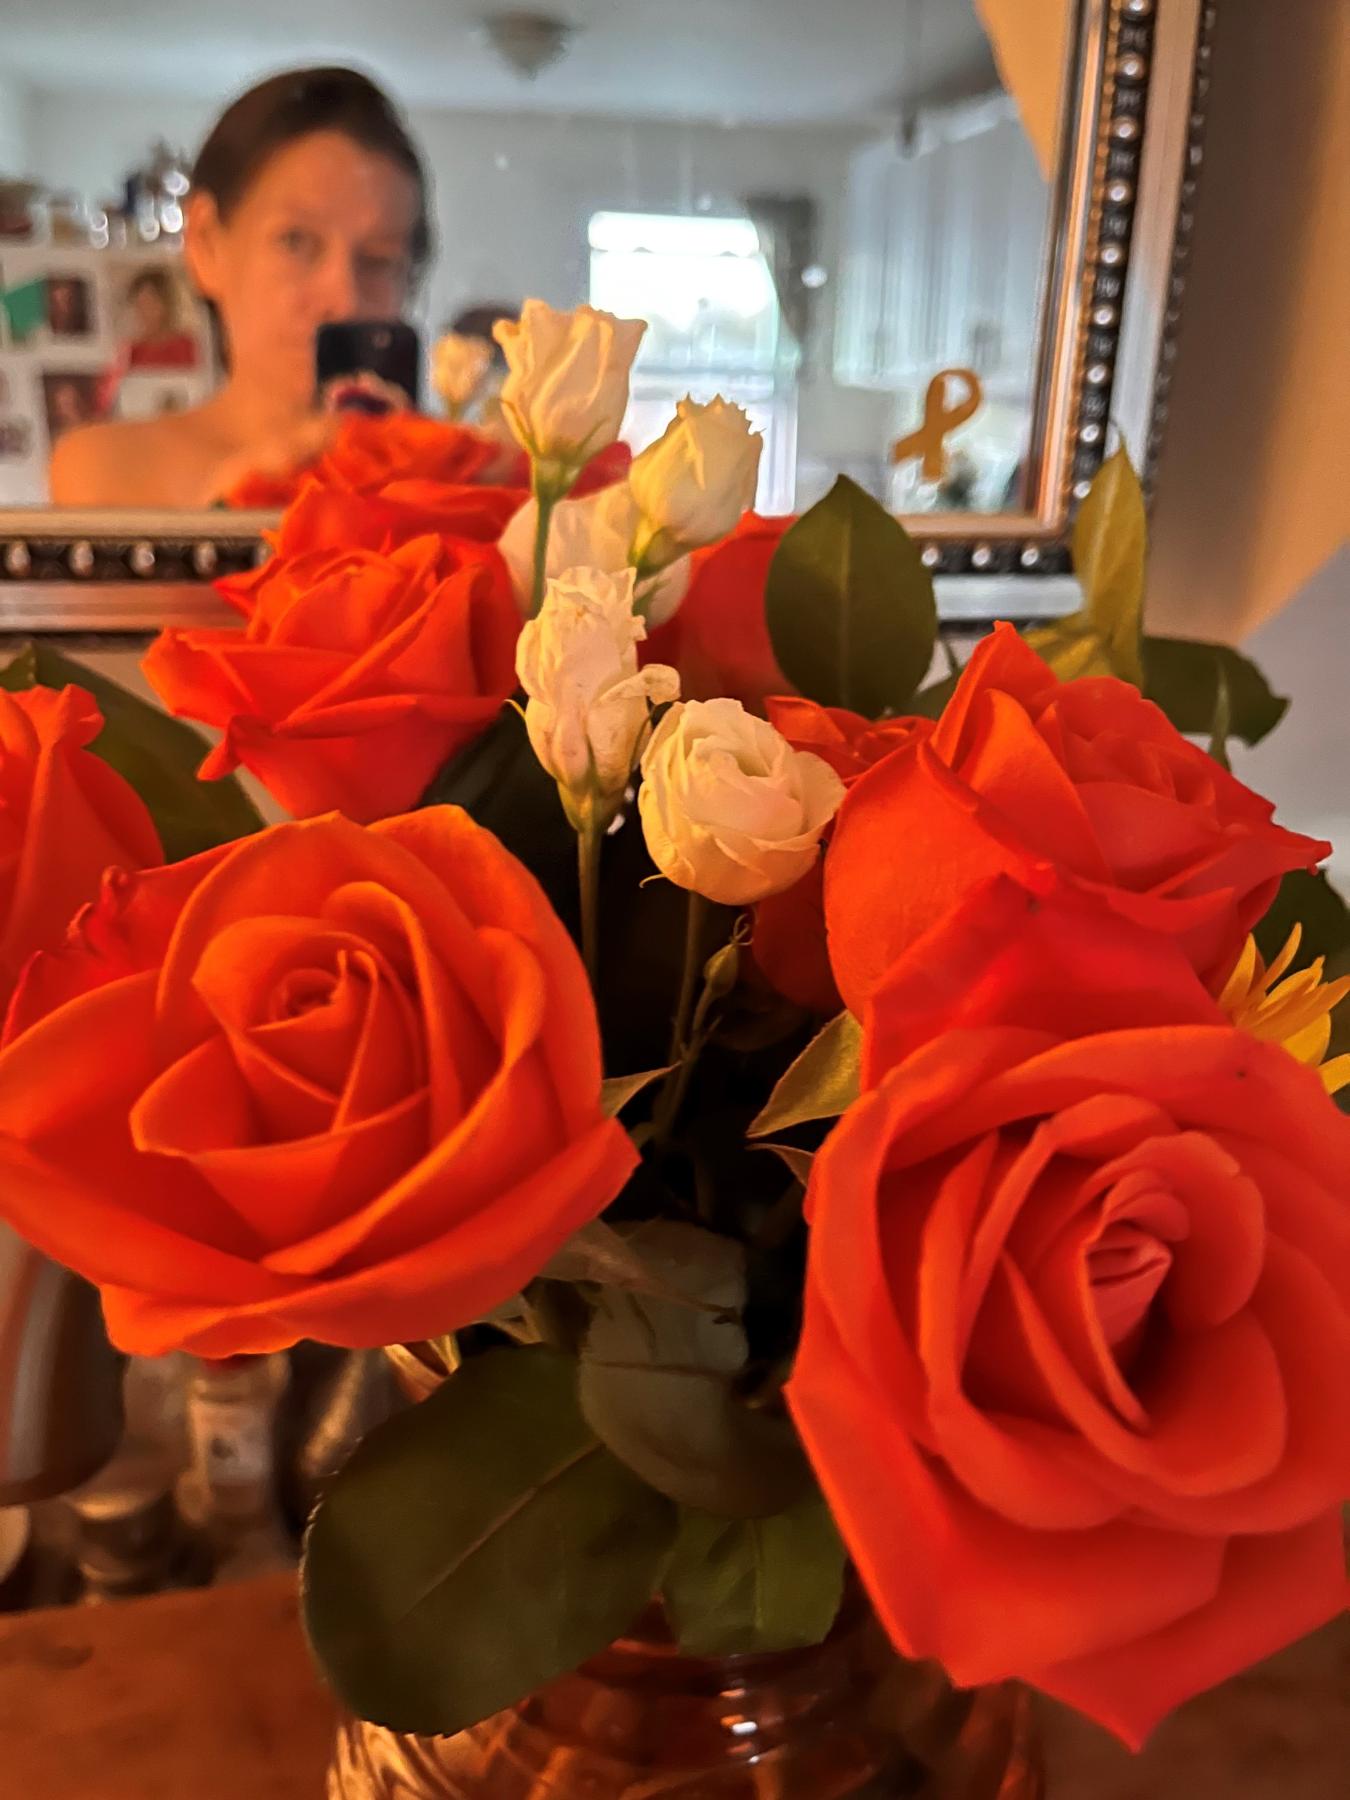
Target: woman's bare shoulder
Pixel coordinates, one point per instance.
(127, 462)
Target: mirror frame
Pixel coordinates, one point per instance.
(1123, 202)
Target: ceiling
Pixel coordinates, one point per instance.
(784, 61)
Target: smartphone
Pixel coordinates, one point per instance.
(358, 361)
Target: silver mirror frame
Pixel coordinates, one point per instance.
(1134, 110)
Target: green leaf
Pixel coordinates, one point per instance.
(658, 1381)
(157, 755)
(475, 1547)
(1181, 675)
(850, 606)
(618, 1090)
(1110, 548)
(1072, 647)
(820, 1084)
(1312, 902)
(799, 1161)
(744, 1587)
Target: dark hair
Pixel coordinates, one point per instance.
(287, 107)
(477, 321)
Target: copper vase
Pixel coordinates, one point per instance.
(846, 1720)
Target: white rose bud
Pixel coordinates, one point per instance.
(693, 484)
(728, 807)
(459, 366)
(594, 533)
(588, 705)
(566, 388)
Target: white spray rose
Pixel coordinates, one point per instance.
(728, 807)
(588, 705)
(594, 533)
(566, 388)
(693, 484)
(459, 366)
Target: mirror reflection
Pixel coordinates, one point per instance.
(835, 216)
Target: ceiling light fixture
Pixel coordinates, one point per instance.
(528, 42)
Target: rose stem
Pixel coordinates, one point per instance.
(545, 499)
(588, 878)
(684, 1040)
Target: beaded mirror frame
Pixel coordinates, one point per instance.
(1136, 85)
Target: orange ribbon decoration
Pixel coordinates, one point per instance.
(939, 420)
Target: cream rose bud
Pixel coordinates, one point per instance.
(566, 387)
(594, 533)
(459, 365)
(693, 484)
(588, 706)
(728, 807)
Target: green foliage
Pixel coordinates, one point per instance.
(850, 606)
(659, 1374)
(157, 755)
(1313, 903)
(820, 1084)
(477, 1546)
(1184, 677)
(737, 1587)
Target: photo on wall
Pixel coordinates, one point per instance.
(70, 307)
(158, 322)
(72, 397)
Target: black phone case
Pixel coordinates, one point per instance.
(385, 347)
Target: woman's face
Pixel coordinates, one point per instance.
(323, 234)
(150, 311)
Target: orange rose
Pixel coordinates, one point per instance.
(1078, 1315)
(369, 452)
(345, 1085)
(1023, 771)
(334, 518)
(357, 674)
(719, 639)
(789, 941)
(64, 817)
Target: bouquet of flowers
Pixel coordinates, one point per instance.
(824, 1124)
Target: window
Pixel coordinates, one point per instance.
(714, 327)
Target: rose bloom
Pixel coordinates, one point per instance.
(729, 809)
(65, 816)
(334, 518)
(718, 639)
(693, 484)
(368, 452)
(596, 531)
(589, 703)
(566, 388)
(1086, 776)
(357, 673)
(789, 941)
(1077, 1322)
(328, 1081)
(459, 366)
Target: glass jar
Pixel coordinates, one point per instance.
(847, 1720)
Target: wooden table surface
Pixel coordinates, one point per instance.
(210, 1696)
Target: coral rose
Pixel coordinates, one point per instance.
(357, 675)
(719, 638)
(368, 452)
(1088, 777)
(65, 816)
(789, 941)
(1078, 1315)
(337, 1082)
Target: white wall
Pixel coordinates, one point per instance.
(14, 109)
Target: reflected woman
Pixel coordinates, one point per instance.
(309, 205)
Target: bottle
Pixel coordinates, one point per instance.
(228, 1492)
